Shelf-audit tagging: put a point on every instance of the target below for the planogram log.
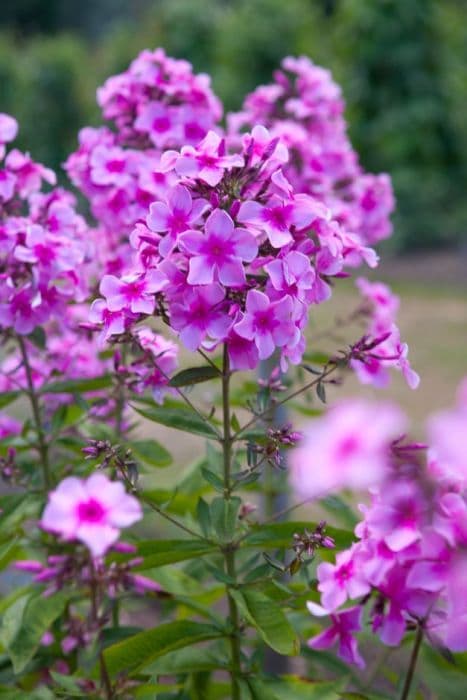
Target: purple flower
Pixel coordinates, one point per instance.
(341, 581)
(207, 161)
(200, 314)
(134, 292)
(269, 324)
(179, 214)
(343, 625)
(338, 450)
(92, 511)
(219, 252)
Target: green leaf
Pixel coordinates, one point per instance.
(180, 418)
(212, 479)
(194, 375)
(280, 535)
(270, 621)
(79, 386)
(38, 615)
(151, 452)
(68, 683)
(160, 552)
(224, 515)
(204, 517)
(235, 423)
(321, 392)
(293, 688)
(191, 660)
(7, 397)
(140, 650)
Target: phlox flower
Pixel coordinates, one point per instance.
(199, 314)
(178, 214)
(343, 626)
(92, 511)
(339, 452)
(268, 324)
(135, 292)
(341, 581)
(218, 253)
(207, 161)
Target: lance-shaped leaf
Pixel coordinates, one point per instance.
(194, 375)
(151, 452)
(179, 417)
(77, 386)
(160, 552)
(279, 535)
(140, 650)
(268, 618)
(37, 616)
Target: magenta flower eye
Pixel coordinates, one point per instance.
(91, 511)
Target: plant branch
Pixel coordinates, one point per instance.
(42, 445)
(332, 366)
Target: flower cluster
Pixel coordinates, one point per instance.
(304, 107)
(231, 255)
(43, 243)
(410, 561)
(382, 347)
(158, 103)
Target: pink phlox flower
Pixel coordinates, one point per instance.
(179, 214)
(110, 166)
(218, 253)
(268, 323)
(339, 451)
(135, 292)
(399, 514)
(292, 275)
(200, 313)
(243, 353)
(160, 123)
(429, 571)
(207, 161)
(28, 173)
(341, 581)
(92, 511)
(23, 311)
(7, 184)
(49, 250)
(113, 322)
(344, 624)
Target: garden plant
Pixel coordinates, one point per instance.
(171, 301)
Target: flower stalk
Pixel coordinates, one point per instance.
(229, 551)
(42, 445)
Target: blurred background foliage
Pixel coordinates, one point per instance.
(402, 65)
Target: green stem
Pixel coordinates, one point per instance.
(106, 683)
(42, 445)
(229, 551)
(413, 663)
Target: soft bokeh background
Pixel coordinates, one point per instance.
(403, 70)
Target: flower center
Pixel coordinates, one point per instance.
(91, 511)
